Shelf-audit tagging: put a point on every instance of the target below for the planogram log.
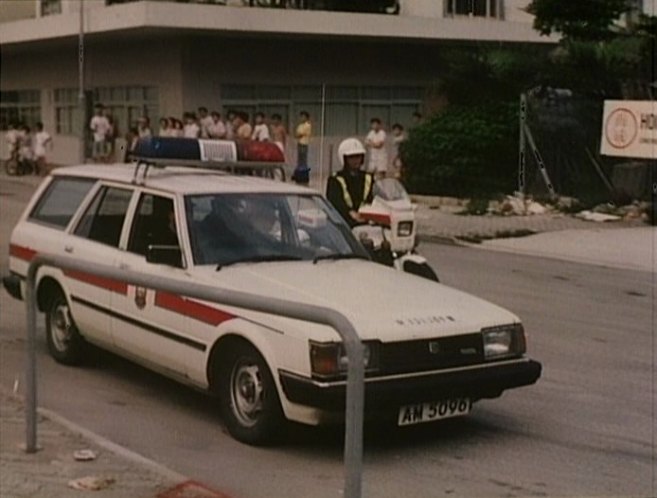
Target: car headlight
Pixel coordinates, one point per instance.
(405, 229)
(504, 342)
(329, 359)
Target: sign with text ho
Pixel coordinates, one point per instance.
(629, 128)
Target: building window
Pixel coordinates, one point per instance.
(49, 7)
(474, 8)
(126, 104)
(67, 112)
(348, 109)
(23, 106)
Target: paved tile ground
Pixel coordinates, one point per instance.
(46, 473)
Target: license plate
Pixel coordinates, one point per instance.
(428, 412)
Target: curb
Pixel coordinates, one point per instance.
(446, 240)
(115, 448)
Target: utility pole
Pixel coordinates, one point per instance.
(81, 95)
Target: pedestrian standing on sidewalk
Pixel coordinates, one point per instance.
(278, 132)
(204, 122)
(398, 136)
(376, 143)
(260, 130)
(100, 127)
(302, 134)
(42, 139)
(216, 129)
(243, 128)
(144, 127)
(191, 128)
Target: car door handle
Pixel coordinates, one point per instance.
(68, 249)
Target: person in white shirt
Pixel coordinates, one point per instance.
(216, 129)
(376, 143)
(100, 127)
(42, 139)
(398, 136)
(260, 130)
(204, 121)
(230, 125)
(191, 128)
(12, 138)
(144, 127)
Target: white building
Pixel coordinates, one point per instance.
(164, 57)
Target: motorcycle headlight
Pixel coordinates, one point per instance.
(330, 359)
(504, 342)
(405, 229)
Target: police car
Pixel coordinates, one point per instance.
(431, 351)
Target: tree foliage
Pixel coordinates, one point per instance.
(586, 20)
(464, 150)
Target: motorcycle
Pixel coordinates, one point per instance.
(390, 232)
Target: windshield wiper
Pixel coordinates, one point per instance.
(339, 255)
(263, 258)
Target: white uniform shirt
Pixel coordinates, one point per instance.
(41, 138)
(378, 157)
(260, 133)
(217, 130)
(101, 127)
(191, 130)
(206, 123)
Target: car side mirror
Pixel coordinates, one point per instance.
(170, 255)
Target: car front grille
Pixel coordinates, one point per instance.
(431, 354)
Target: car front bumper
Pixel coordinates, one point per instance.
(476, 382)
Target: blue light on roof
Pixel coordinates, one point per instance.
(168, 148)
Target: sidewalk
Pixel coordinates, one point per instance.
(51, 471)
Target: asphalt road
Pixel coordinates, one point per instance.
(587, 428)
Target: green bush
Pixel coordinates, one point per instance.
(465, 150)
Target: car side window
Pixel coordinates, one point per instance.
(154, 224)
(103, 219)
(61, 200)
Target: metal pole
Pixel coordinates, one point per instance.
(321, 139)
(521, 145)
(30, 372)
(353, 446)
(81, 97)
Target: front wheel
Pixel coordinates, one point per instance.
(248, 398)
(65, 344)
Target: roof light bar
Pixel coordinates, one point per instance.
(216, 151)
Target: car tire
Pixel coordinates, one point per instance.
(248, 397)
(65, 344)
(421, 270)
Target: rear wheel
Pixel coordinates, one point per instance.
(65, 343)
(248, 397)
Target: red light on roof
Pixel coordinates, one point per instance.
(251, 150)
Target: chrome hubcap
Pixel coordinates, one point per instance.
(60, 326)
(246, 393)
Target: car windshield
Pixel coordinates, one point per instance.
(225, 229)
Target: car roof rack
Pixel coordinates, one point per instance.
(240, 157)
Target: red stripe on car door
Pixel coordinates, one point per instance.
(102, 282)
(20, 252)
(192, 309)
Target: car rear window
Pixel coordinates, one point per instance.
(61, 200)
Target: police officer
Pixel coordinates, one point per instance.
(351, 187)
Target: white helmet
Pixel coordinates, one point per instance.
(350, 147)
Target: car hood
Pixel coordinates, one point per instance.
(382, 303)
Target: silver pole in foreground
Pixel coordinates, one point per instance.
(30, 371)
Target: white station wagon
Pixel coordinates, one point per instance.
(431, 351)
